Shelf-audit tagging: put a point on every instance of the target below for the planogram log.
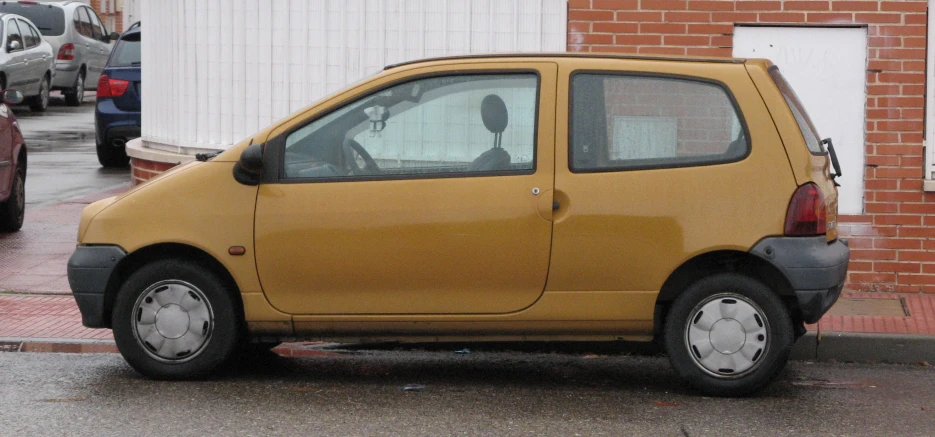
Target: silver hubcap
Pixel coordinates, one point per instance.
(172, 321)
(44, 93)
(727, 335)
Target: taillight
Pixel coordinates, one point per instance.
(107, 87)
(67, 52)
(806, 213)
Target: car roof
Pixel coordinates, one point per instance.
(559, 55)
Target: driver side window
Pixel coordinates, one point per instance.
(463, 125)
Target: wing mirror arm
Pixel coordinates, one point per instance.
(249, 169)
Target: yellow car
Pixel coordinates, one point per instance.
(509, 197)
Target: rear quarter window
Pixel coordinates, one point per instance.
(127, 52)
(631, 122)
(50, 20)
(809, 133)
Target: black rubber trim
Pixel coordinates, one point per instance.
(815, 268)
(89, 269)
(569, 55)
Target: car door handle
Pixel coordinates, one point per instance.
(555, 205)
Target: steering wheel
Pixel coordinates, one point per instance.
(352, 147)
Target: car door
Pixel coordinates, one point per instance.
(652, 170)
(36, 60)
(85, 47)
(16, 68)
(427, 193)
(99, 48)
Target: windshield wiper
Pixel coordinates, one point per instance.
(206, 156)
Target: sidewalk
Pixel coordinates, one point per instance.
(37, 312)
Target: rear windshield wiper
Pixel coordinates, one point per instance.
(834, 161)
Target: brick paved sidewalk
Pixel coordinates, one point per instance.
(34, 259)
(36, 303)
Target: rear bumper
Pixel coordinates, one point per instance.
(111, 123)
(89, 270)
(815, 268)
(65, 75)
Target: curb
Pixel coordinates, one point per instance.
(57, 345)
(835, 346)
(864, 347)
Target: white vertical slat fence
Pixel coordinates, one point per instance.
(216, 71)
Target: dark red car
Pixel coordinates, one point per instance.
(12, 165)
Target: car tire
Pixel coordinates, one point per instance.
(13, 211)
(40, 102)
(175, 319)
(112, 156)
(75, 95)
(728, 335)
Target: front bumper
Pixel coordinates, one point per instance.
(815, 268)
(89, 270)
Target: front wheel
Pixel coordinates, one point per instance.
(728, 335)
(175, 319)
(13, 211)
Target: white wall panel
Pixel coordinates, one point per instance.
(219, 70)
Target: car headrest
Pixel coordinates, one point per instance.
(493, 111)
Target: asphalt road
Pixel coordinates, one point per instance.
(483, 393)
(62, 161)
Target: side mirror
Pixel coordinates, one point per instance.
(113, 36)
(249, 169)
(13, 46)
(12, 97)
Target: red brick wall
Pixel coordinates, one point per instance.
(893, 243)
(142, 170)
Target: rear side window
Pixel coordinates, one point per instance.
(96, 25)
(49, 19)
(626, 122)
(29, 34)
(127, 52)
(13, 34)
(83, 23)
(812, 140)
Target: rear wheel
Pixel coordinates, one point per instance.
(13, 211)
(40, 102)
(728, 335)
(110, 155)
(75, 95)
(174, 319)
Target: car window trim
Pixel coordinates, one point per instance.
(659, 165)
(275, 148)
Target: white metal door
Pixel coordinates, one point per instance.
(827, 68)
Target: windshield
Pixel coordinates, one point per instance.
(127, 52)
(50, 20)
(812, 140)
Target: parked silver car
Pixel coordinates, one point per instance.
(26, 61)
(79, 40)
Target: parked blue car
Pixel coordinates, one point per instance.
(117, 115)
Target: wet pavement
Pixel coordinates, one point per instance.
(61, 153)
(482, 393)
